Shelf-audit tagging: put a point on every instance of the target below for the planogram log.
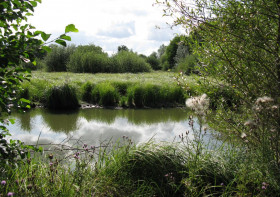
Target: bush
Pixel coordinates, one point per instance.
(61, 97)
(154, 62)
(57, 59)
(88, 59)
(126, 61)
(87, 91)
(105, 94)
(188, 65)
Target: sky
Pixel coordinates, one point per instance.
(107, 23)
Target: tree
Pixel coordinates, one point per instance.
(161, 50)
(241, 47)
(153, 61)
(122, 48)
(171, 51)
(19, 42)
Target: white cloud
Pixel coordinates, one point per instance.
(107, 23)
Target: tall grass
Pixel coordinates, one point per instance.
(149, 169)
(61, 97)
(105, 94)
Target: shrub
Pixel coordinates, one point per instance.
(85, 61)
(126, 61)
(188, 65)
(61, 97)
(105, 94)
(136, 95)
(56, 60)
(154, 61)
(87, 91)
(151, 95)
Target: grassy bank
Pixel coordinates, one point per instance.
(65, 90)
(132, 90)
(149, 169)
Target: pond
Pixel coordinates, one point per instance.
(95, 126)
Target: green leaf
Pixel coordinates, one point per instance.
(61, 42)
(25, 100)
(45, 36)
(34, 3)
(47, 49)
(12, 121)
(71, 28)
(64, 37)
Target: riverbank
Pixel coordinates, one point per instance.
(63, 90)
(150, 169)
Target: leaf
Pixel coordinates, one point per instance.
(61, 42)
(64, 37)
(25, 100)
(34, 3)
(45, 36)
(47, 49)
(71, 28)
(12, 121)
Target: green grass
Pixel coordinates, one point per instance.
(158, 88)
(149, 169)
(155, 89)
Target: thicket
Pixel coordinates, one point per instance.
(57, 59)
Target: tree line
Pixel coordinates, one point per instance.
(177, 56)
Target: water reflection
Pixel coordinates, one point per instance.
(94, 126)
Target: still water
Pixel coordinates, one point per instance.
(94, 126)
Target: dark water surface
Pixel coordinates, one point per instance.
(93, 126)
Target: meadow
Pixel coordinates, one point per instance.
(65, 90)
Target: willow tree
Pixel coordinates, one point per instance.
(240, 46)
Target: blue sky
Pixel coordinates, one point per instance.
(107, 23)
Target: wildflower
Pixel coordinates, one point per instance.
(51, 163)
(199, 104)
(249, 123)
(264, 185)
(85, 146)
(10, 194)
(3, 182)
(264, 99)
(50, 156)
(243, 135)
(222, 184)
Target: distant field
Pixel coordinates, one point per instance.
(157, 78)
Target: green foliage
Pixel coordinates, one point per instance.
(88, 59)
(188, 65)
(126, 61)
(57, 59)
(105, 94)
(61, 97)
(122, 48)
(154, 61)
(171, 51)
(19, 43)
(86, 91)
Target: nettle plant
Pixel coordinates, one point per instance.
(19, 42)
